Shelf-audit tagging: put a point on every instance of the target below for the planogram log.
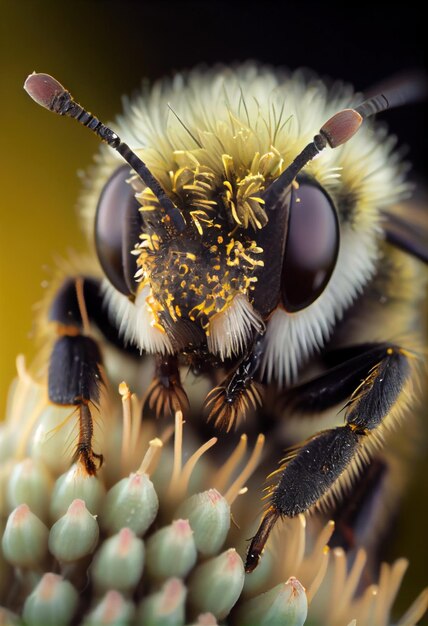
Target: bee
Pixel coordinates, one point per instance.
(250, 230)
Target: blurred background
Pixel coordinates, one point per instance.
(101, 50)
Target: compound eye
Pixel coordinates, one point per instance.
(311, 247)
(117, 230)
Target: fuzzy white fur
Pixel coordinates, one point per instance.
(242, 112)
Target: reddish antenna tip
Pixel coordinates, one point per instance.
(341, 127)
(43, 88)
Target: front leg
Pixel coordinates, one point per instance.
(227, 403)
(325, 463)
(165, 394)
(74, 377)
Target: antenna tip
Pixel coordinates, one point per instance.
(341, 127)
(43, 88)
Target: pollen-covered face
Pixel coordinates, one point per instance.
(216, 142)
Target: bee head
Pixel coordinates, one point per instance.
(234, 230)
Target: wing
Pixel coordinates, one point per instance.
(406, 227)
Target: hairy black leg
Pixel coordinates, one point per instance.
(74, 377)
(166, 395)
(310, 472)
(348, 367)
(65, 310)
(227, 404)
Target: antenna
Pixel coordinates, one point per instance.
(50, 94)
(343, 125)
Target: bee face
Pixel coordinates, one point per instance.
(235, 269)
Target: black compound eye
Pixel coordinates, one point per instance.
(117, 230)
(311, 247)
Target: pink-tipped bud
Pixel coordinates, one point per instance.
(341, 127)
(43, 88)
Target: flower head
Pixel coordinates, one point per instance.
(149, 539)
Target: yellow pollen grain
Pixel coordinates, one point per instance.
(230, 246)
(157, 325)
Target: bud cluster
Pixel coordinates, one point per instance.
(149, 539)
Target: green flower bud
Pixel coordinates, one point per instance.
(5, 472)
(209, 516)
(166, 607)
(119, 562)
(216, 585)
(284, 604)
(7, 618)
(205, 619)
(75, 534)
(112, 610)
(48, 439)
(131, 503)
(52, 603)
(76, 484)
(171, 551)
(25, 539)
(6, 571)
(30, 483)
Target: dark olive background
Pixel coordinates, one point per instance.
(101, 50)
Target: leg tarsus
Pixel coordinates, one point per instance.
(258, 542)
(165, 394)
(84, 453)
(228, 403)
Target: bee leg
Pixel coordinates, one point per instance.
(348, 367)
(165, 394)
(74, 377)
(327, 461)
(227, 403)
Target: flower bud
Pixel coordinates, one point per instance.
(112, 610)
(75, 534)
(131, 503)
(166, 607)
(7, 618)
(171, 551)
(119, 562)
(209, 517)
(284, 604)
(48, 439)
(25, 539)
(76, 484)
(216, 585)
(5, 472)
(205, 619)
(30, 483)
(52, 603)
(6, 572)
